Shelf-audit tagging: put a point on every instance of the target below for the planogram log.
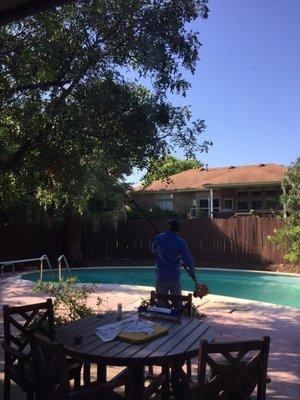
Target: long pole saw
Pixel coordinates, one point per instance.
(155, 228)
(200, 289)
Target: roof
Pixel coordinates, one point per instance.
(201, 179)
(12, 10)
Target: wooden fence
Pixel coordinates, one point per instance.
(233, 241)
(224, 241)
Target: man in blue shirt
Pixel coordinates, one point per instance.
(171, 250)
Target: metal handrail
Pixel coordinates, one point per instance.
(7, 264)
(41, 259)
(60, 259)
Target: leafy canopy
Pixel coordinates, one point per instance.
(288, 237)
(164, 167)
(70, 119)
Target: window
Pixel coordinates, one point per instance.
(228, 204)
(271, 205)
(204, 206)
(216, 203)
(216, 206)
(271, 193)
(203, 203)
(193, 211)
(243, 201)
(256, 204)
(243, 205)
(272, 200)
(164, 201)
(256, 193)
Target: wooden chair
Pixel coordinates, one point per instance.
(51, 368)
(244, 367)
(18, 321)
(181, 303)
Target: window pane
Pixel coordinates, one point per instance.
(169, 205)
(228, 204)
(203, 203)
(243, 205)
(216, 203)
(160, 196)
(242, 194)
(271, 193)
(165, 204)
(271, 205)
(203, 213)
(256, 205)
(256, 193)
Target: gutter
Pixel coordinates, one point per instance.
(208, 186)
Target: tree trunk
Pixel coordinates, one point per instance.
(74, 236)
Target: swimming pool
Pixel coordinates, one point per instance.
(274, 288)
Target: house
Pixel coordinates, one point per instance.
(217, 191)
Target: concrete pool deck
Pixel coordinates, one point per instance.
(231, 318)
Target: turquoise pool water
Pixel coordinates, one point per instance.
(267, 287)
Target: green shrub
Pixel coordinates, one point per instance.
(69, 298)
(288, 236)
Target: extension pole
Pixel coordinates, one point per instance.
(156, 230)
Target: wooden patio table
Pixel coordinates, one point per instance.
(180, 344)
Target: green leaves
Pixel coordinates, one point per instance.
(70, 300)
(288, 237)
(70, 120)
(163, 168)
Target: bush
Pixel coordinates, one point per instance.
(68, 296)
(288, 237)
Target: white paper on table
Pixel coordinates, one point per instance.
(160, 310)
(134, 324)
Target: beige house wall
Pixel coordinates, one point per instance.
(185, 199)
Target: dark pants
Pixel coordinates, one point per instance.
(168, 287)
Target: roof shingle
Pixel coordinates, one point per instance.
(200, 179)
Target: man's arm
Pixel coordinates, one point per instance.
(187, 259)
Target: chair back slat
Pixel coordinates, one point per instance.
(235, 369)
(50, 365)
(18, 320)
(173, 302)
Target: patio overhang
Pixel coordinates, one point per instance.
(208, 186)
(13, 10)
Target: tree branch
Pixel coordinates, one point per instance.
(54, 107)
(40, 85)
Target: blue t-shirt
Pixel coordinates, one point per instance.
(170, 250)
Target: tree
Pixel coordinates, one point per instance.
(288, 237)
(162, 168)
(48, 108)
(71, 125)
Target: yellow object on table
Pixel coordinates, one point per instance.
(141, 337)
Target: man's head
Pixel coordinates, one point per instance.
(174, 225)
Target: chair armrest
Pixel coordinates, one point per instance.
(91, 392)
(97, 390)
(14, 352)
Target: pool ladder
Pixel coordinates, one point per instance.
(11, 263)
(60, 260)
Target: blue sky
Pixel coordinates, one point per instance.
(247, 82)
